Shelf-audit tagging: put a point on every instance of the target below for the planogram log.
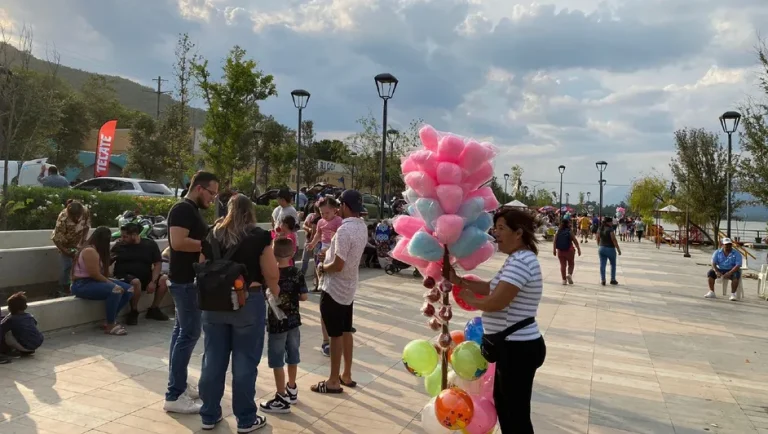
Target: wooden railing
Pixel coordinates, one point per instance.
(738, 248)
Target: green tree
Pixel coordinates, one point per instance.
(175, 135)
(540, 197)
(582, 198)
(331, 150)
(276, 138)
(644, 194)
(701, 169)
(148, 151)
(310, 167)
(232, 109)
(753, 167)
(73, 129)
(100, 97)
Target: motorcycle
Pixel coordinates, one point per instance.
(152, 227)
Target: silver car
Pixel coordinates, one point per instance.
(129, 186)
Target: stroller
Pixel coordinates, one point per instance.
(386, 238)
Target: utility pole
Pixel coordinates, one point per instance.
(159, 92)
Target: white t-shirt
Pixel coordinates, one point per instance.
(279, 213)
(521, 269)
(348, 243)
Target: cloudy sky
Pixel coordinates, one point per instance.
(559, 82)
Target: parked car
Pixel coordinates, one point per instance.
(369, 199)
(24, 173)
(129, 186)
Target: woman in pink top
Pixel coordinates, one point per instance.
(90, 281)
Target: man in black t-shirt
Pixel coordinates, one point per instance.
(186, 233)
(139, 259)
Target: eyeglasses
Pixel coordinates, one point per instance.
(212, 193)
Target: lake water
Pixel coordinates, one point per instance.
(746, 230)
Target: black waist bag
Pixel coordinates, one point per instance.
(492, 342)
(216, 278)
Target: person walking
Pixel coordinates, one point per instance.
(510, 304)
(639, 228)
(238, 333)
(565, 247)
(186, 233)
(340, 279)
(607, 249)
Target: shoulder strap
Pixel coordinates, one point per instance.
(215, 246)
(515, 327)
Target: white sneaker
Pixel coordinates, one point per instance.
(565, 282)
(570, 279)
(733, 297)
(710, 294)
(260, 423)
(184, 405)
(192, 392)
(293, 394)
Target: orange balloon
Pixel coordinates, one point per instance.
(454, 408)
(457, 336)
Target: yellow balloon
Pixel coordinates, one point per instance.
(433, 382)
(420, 357)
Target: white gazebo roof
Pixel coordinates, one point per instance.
(516, 204)
(670, 208)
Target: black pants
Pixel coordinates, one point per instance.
(370, 256)
(513, 386)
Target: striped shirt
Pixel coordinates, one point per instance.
(522, 270)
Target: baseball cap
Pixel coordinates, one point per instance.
(353, 199)
(726, 241)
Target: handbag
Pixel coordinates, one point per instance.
(491, 342)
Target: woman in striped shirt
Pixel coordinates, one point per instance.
(513, 295)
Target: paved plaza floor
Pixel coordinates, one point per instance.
(649, 356)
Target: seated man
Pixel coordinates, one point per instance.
(139, 263)
(726, 264)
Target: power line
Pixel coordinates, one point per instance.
(159, 92)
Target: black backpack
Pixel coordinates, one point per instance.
(216, 278)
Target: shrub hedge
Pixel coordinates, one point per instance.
(32, 208)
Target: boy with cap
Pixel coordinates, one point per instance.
(340, 279)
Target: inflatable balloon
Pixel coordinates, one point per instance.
(468, 362)
(433, 381)
(449, 148)
(421, 183)
(429, 422)
(429, 211)
(448, 228)
(450, 197)
(471, 240)
(407, 226)
(483, 417)
(454, 408)
(479, 177)
(429, 137)
(400, 252)
(448, 173)
(487, 382)
(471, 387)
(457, 336)
(484, 253)
(473, 331)
(460, 301)
(425, 246)
(420, 357)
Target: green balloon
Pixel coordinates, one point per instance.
(420, 357)
(468, 362)
(433, 382)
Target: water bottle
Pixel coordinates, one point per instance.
(233, 294)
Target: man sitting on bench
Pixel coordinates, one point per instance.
(726, 264)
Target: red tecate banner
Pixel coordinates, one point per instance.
(104, 148)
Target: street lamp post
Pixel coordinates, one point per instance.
(561, 169)
(601, 165)
(386, 84)
(506, 178)
(567, 199)
(300, 99)
(588, 195)
(525, 192)
(730, 122)
(257, 132)
(8, 74)
(392, 136)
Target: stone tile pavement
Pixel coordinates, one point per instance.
(649, 356)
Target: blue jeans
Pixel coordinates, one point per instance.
(66, 267)
(283, 348)
(90, 289)
(240, 333)
(306, 256)
(186, 332)
(607, 254)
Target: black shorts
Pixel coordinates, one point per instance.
(336, 317)
(144, 283)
